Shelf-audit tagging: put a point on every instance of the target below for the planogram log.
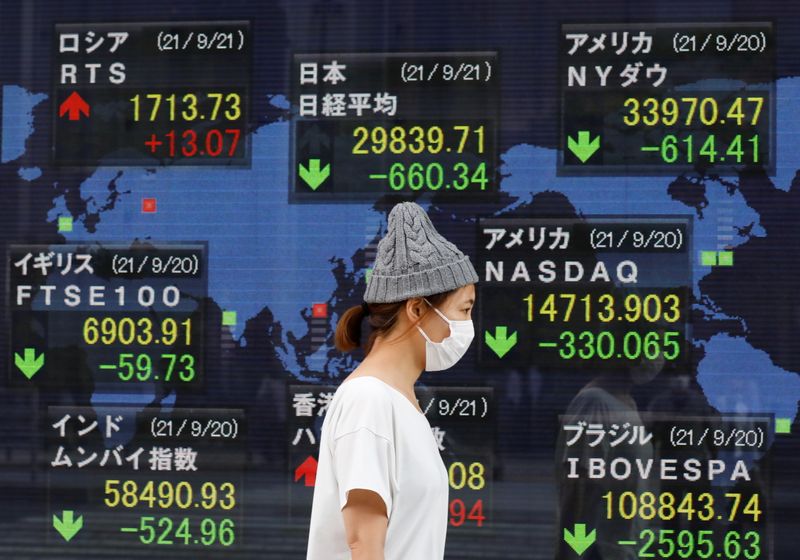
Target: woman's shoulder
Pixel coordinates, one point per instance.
(363, 401)
(357, 386)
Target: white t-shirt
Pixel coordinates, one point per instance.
(373, 437)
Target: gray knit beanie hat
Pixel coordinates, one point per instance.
(413, 259)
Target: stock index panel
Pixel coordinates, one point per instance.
(193, 195)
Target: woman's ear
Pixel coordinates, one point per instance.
(414, 308)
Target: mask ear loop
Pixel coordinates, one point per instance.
(440, 314)
(445, 319)
(425, 336)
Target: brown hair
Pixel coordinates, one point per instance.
(382, 319)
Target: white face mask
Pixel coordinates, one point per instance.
(444, 354)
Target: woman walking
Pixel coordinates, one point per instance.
(381, 490)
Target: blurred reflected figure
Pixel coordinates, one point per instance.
(604, 405)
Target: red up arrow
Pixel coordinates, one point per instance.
(307, 468)
(74, 105)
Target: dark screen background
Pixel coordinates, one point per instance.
(251, 376)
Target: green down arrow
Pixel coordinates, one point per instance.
(313, 175)
(30, 363)
(68, 526)
(500, 342)
(583, 148)
(578, 540)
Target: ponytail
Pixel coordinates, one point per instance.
(348, 330)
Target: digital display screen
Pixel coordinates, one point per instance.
(193, 197)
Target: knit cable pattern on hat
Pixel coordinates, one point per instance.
(413, 259)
